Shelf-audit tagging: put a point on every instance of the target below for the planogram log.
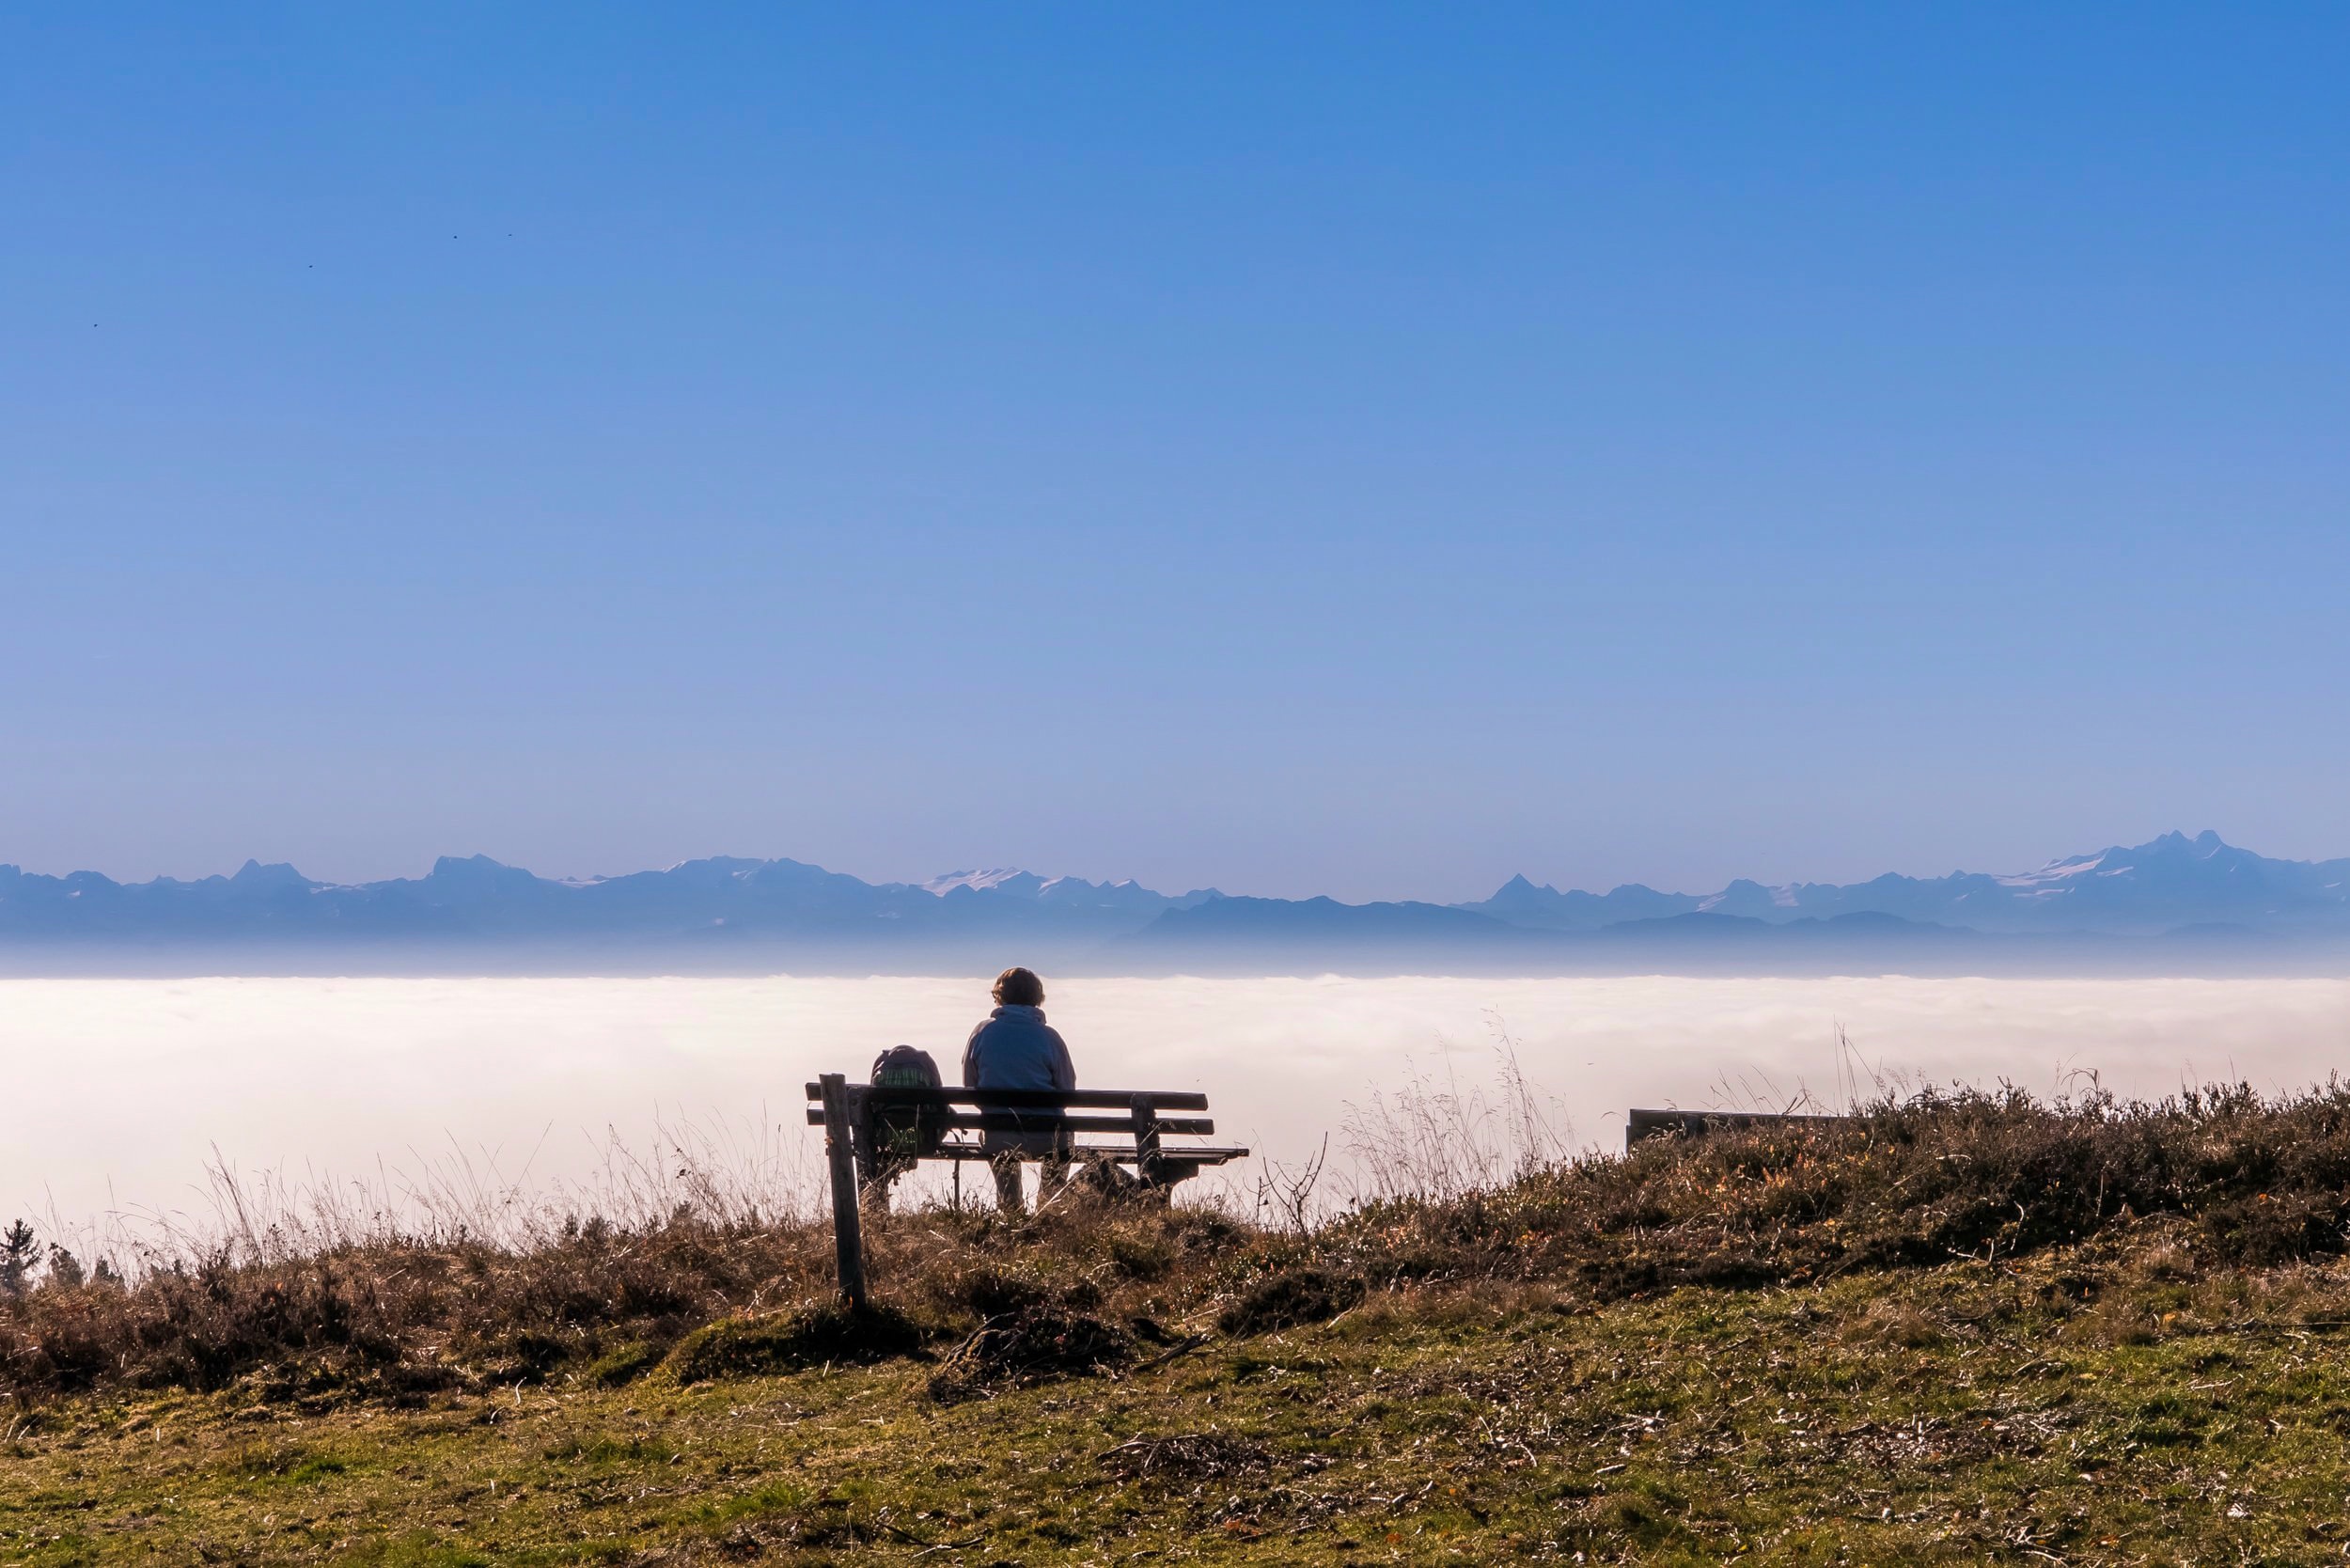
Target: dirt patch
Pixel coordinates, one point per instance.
(1289, 1299)
(1185, 1456)
(790, 1342)
(1038, 1343)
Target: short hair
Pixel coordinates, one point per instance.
(1017, 987)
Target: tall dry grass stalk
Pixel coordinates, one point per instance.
(720, 1172)
(1436, 1140)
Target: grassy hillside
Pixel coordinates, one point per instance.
(1958, 1331)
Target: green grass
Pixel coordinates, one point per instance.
(2117, 1404)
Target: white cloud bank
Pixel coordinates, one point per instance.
(119, 1090)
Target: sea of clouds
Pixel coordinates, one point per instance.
(121, 1093)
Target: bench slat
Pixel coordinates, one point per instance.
(1025, 1098)
(1013, 1122)
(1123, 1156)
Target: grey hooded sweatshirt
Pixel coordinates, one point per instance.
(1015, 1048)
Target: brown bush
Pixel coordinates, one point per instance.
(1289, 1299)
(2221, 1179)
(1924, 1181)
(1037, 1344)
(400, 1320)
(820, 1334)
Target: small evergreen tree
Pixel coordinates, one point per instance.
(17, 1253)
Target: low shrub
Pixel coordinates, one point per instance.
(1290, 1299)
(1940, 1176)
(1034, 1344)
(826, 1334)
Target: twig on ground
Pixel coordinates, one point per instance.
(1184, 1349)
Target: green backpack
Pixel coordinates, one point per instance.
(903, 1134)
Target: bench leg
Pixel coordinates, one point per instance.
(1165, 1174)
(847, 1235)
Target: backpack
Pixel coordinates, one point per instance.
(903, 1134)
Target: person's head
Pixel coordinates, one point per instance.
(1018, 987)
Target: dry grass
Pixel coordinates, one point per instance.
(305, 1304)
(1437, 1139)
(1965, 1329)
(1920, 1181)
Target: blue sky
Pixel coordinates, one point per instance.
(1364, 449)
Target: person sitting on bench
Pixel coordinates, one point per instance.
(1015, 1048)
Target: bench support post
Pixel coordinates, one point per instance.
(848, 1234)
(1146, 1118)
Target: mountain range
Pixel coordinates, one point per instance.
(2176, 901)
(2153, 887)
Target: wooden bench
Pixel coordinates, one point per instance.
(1641, 1126)
(847, 1113)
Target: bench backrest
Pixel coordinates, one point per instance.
(1035, 1110)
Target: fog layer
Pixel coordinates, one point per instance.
(120, 1091)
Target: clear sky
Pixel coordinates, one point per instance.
(1355, 449)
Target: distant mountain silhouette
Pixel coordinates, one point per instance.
(1235, 923)
(2194, 895)
(480, 897)
(2154, 887)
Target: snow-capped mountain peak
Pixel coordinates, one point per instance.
(1008, 878)
(2052, 877)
